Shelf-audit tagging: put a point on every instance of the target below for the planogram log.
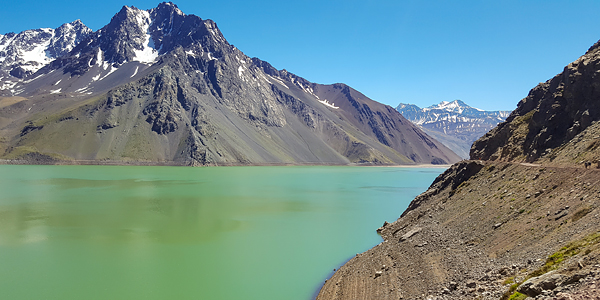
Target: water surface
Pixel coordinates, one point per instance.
(109, 232)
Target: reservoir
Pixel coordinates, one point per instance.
(129, 232)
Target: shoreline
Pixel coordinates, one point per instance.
(409, 166)
(183, 164)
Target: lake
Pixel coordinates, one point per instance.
(124, 232)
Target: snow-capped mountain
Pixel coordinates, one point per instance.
(25, 53)
(158, 85)
(455, 123)
(132, 41)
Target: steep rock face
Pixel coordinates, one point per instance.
(455, 124)
(551, 115)
(496, 226)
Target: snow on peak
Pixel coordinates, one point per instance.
(147, 54)
(172, 6)
(455, 106)
(27, 48)
(31, 50)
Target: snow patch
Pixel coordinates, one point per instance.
(99, 56)
(308, 90)
(241, 72)
(8, 85)
(148, 54)
(55, 91)
(326, 103)
(265, 78)
(32, 79)
(210, 57)
(279, 81)
(134, 72)
(37, 54)
(81, 90)
(112, 69)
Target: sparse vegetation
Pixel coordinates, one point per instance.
(554, 261)
(581, 213)
(512, 293)
(517, 296)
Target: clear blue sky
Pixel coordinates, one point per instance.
(486, 53)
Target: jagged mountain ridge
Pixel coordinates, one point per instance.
(25, 53)
(455, 124)
(161, 86)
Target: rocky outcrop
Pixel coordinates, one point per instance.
(553, 113)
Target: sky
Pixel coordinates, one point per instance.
(487, 53)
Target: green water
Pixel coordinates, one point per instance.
(106, 232)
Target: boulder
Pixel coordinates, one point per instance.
(412, 232)
(536, 285)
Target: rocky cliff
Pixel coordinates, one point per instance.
(519, 220)
(555, 122)
(160, 86)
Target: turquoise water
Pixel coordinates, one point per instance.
(109, 232)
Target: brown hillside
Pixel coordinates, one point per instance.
(520, 219)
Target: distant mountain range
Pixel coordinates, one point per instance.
(455, 124)
(160, 86)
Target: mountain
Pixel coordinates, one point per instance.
(159, 86)
(555, 123)
(25, 53)
(518, 220)
(455, 124)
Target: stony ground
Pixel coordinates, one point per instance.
(482, 228)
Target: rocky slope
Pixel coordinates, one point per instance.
(519, 220)
(552, 119)
(455, 124)
(160, 86)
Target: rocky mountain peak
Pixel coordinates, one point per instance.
(125, 38)
(132, 35)
(454, 123)
(142, 35)
(24, 53)
(66, 37)
(167, 8)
